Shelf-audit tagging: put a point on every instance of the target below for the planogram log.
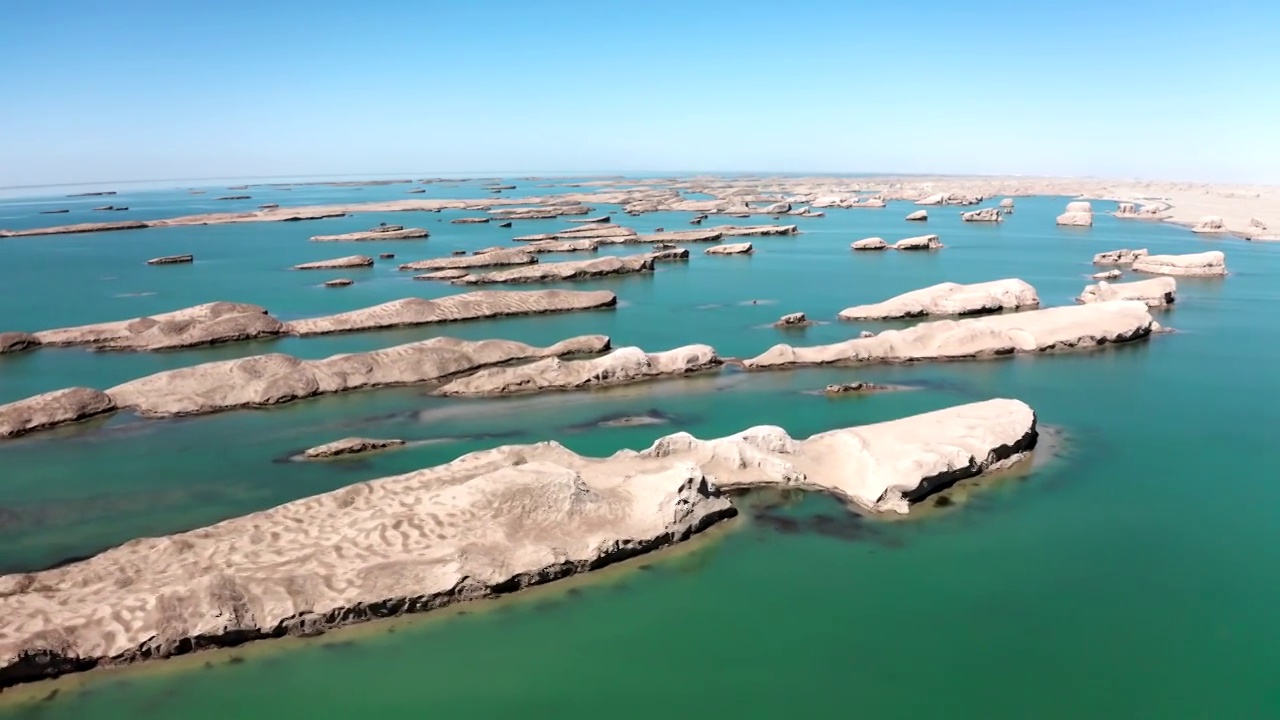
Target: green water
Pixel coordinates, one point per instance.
(1130, 576)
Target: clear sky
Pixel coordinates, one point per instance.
(98, 90)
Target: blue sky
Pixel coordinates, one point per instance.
(143, 89)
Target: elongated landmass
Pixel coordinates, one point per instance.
(172, 260)
(950, 299)
(1205, 264)
(14, 342)
(498, 258)
(680, 236)
(488, 523)
(616, 233)
(744, 248)
(547, 246)
(373, 235)
(1060, 328)
(52, 409)
(1156, 292)
(621, 367)
(77, 228)
(754, 230)
(209, 324)
(350, 261)
(273, 379)
(454, 308)
(561, 271)
(349, 446)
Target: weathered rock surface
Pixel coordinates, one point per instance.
(12, 342)
(950, 199)
(562, 271)
(872, 243)
(1078, 214)
(442, 275)
(470, 220)
(172, 260)
(991, 215)
(1006, 205)
(596, 231)
(622, 366)
(552, 210)
(1156, 292)
(349, 446)
(1079, 206)
(754, 230)
(1205, 264)
(349, 261)
(49, 409)
(745, 248)
(922, 242)
(374, 235)
(681, 236)
(1107, 275)
(386, 256)
(454, 308)
(77, 228)
(497, 258)
(798, 319)
(1077, 326)
(339, 282)
(599, 219)
(950, 299)
(551, 246)
(1124, 256)
(669, 254)
(853, 387)
(918, 216)
(265, 380)
(208, 324)
(1126, 210)
(1210, 224)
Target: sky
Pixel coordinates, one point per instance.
(98, 90)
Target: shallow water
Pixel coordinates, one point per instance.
(1129, 577)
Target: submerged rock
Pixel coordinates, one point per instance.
(853, 387)
(52, 408)
(622, 366)
(1205, 264)
(992, 215)
(1119, 257)
(349, 261)
(1083, 326)
(339, 282)
(745, 248)
(562, 271)
(349, 446)
(1155, 292)
(172, 260)
(873, 243)
(923, 242)
(950, 299)
(386, 256)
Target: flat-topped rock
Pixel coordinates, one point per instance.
(1078, 214)
(1210, 224)
(874, 202)
(374, 235)
(266, 380)
(1123, 256)
(988, 215)
(558, 246)
(950, 199)
(793, 320)
(52, 408)
(622, 366)
(1156, 292)
(745, 248)
(208, 324)
(350, 261)
(669, 254)
(1205, 264)
(172, 260)
(77, 228)
(918, 216)
(680, 236)
(338, 282)
(922, 242)
(599, 219)
(456, 308)
(349, 446)
(1106, 275)
(552, 210)
(872, 243)
(950, 299)
(498, 258)
(442, 275)
(596, 231)
(754, 230)
(1077, 326)
(13, 342)
(562, 271)
(469, 220)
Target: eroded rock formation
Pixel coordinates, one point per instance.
(453, 308)
(622, 366)
(374, 235)
(349, 446)
(1205, 264)
(350, 261)
(1124, 256)
(745, 248)
(208, 324)
(562, 271)
(950, 299)
(1156, 292)
(497, 258)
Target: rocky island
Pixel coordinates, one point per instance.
(349, 446)
(1205, 264)
(950, 299)
(487, 523)
(374, 234)
(1156, 292)
(350, 261)
(497, 258)
(621, 367)
(562, 271)
(208, 324)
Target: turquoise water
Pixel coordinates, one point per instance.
(1129, 576)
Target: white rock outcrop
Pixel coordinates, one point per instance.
(985, 215)
(1156, 292)
(872, 243)
(1205, 264)
(349, 261)
(1123, 256)
(922, 242)
(1210, 224)
(621, 367)
(745, 248)
(950, 299)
